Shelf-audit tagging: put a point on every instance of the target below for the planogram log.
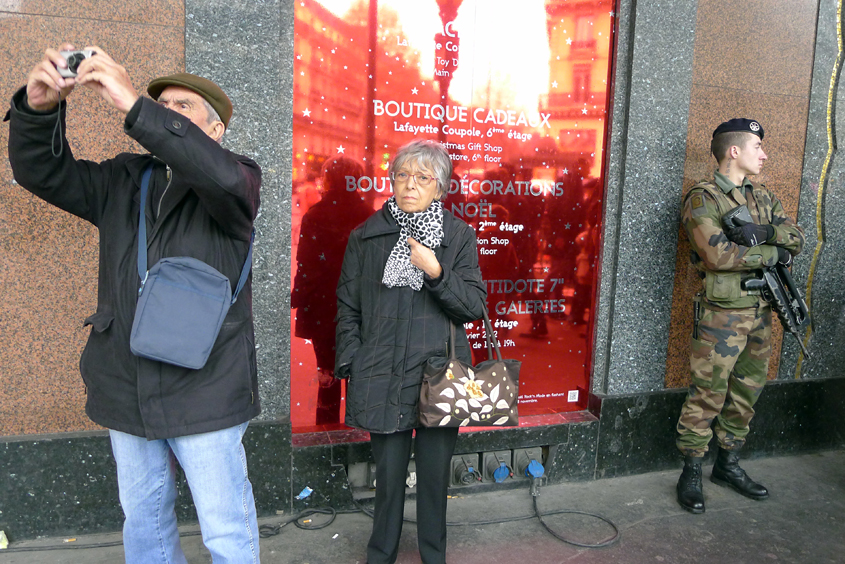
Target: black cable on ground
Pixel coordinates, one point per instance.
(537, 514)
(602, 544)
(73, 546)
(304, 520)
(66, 546)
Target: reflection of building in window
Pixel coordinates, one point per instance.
(331, 66)
(584, 33)
(328, 97)
(581, 87)
(579, 33)
(577, 140)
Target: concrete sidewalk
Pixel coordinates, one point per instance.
(803, 522)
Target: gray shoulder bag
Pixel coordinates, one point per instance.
(182, 303)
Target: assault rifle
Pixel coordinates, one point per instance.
(777, 286)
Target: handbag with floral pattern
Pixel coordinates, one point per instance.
(455, 394)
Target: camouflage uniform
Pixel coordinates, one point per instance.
(731, 341)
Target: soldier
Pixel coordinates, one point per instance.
(731, 338)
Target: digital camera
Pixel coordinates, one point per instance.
(73, 59)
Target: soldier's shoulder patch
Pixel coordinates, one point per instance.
(697, 205)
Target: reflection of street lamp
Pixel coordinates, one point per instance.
(446, 55)
(448, 10)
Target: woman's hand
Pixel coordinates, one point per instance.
(423, 258)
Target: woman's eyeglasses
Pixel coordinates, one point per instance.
(404, 177)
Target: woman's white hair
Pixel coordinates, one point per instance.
(428, 154)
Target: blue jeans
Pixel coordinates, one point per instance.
(215, 467)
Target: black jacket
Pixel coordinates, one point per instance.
(206, 212)
(385, 335)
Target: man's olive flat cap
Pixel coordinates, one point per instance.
(202, 86)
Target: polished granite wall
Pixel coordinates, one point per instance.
(766, 77)
(247, 47)
(662, 122)
(822, 204)
(56, 469)
(645, 171)
(48, 259)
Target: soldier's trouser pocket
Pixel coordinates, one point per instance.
(713, 352)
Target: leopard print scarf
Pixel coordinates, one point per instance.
(427, 228)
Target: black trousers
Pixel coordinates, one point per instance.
(433, 450)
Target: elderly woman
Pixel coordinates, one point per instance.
(409, 271)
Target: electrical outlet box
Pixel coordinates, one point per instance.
(465, 470)
(522, 458)
(492, 461)
(363, 475)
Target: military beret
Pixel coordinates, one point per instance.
(212, 93)
(740, 124)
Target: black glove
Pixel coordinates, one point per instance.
(784, 256)
(750, 234)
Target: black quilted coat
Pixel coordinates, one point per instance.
(385, 335)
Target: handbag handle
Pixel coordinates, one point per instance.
(452, 340)
(142, 242)
(491, 338)
(491, 342)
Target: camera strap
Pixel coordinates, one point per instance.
(142, 241)
(57, 129)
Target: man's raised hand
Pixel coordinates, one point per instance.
(45, 87)
(110, 80)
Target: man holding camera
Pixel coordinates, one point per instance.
(731, 340)
(202, 203)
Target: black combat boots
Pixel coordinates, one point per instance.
(726, 472)
(690, 495)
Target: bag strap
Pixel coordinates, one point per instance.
(142, 229)
(142, 242)
(492, 343)
(488, 329)
(491, 338)
(245, 269)
(452, 339)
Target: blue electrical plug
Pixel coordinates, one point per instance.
(534, 470)
(501, 473)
